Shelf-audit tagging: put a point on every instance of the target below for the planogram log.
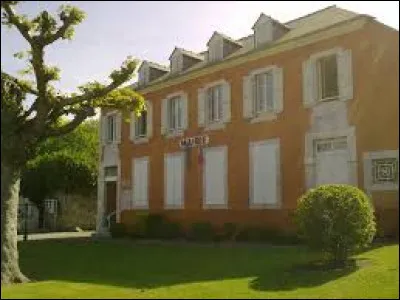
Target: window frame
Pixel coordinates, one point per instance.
(320, 76)
(139, 121)
(113, 137)
(175, 113)
(214, 104)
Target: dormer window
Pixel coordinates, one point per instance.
(182, 60)
(267, 30)
(221, 46)
(150, 71)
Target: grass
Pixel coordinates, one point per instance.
(124, 269)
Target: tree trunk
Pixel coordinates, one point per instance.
(10, 179)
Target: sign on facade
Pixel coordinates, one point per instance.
(194, 141)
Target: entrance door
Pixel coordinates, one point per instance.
(111, 197)
(332, 161)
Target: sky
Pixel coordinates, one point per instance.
(150, 30)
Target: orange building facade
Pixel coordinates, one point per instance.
(294, 105)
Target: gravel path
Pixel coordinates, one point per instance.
(56, 235)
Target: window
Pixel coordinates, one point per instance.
(110, 171)
(214, 104)
(175, 113)
(141, 125)
(174, 180)
(263, 92)
(111, 128)
(327, 74)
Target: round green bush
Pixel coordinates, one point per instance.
(337, 219)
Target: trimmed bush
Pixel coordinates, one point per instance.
(229, 231)
(337, 219)
(117, 230)
(171, 230)
(202, 231)
(154, 226)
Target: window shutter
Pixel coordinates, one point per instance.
(226, 101)
(278, 89)
(164, 117)
(132, 126)
(149, 119)
(118, 125)
(345, 75)
(201, 101)
(184, 100)
(309, 83)
(247, 97)
(103, 129)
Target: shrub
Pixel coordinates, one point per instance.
(117, 230)
(154, 225)
(229, 231)
(171, 230)
(337, 219)
(202, 231)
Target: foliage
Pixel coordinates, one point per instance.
(229, 231)
(118, 230)
(337, 219)
(33, 124)
(202, 231)
(64, 164)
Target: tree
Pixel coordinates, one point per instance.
(63, 164)
(23, 129)
(337, 219)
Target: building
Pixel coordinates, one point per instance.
(239, 132)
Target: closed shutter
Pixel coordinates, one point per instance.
(215, 176)
(226, 101)
(173, 178)
(140, 182)
(184, 99)
(201, 101)
(278, 89)
(247, 97)
(164, 116)
(118, 127)
(264, 173)
(149, 119)
(345, 75)
(309, 83)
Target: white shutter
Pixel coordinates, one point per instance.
(149, 119)
(226, 101)
(184, 100)
(118, 125)
(201, 100)
(264, 173)
(173, 180)
(164, 117)
(132, 126)
(247, 97)
(309, 83)
(215, 176)
(140, 182)
(278, 90)
(103, 129)
(345, 75)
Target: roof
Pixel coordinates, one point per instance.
(154, 65)
(194, 55)
(315, 21)
(216, 33)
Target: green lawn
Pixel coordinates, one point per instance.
(123, 269)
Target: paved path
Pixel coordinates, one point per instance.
(56, 235)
